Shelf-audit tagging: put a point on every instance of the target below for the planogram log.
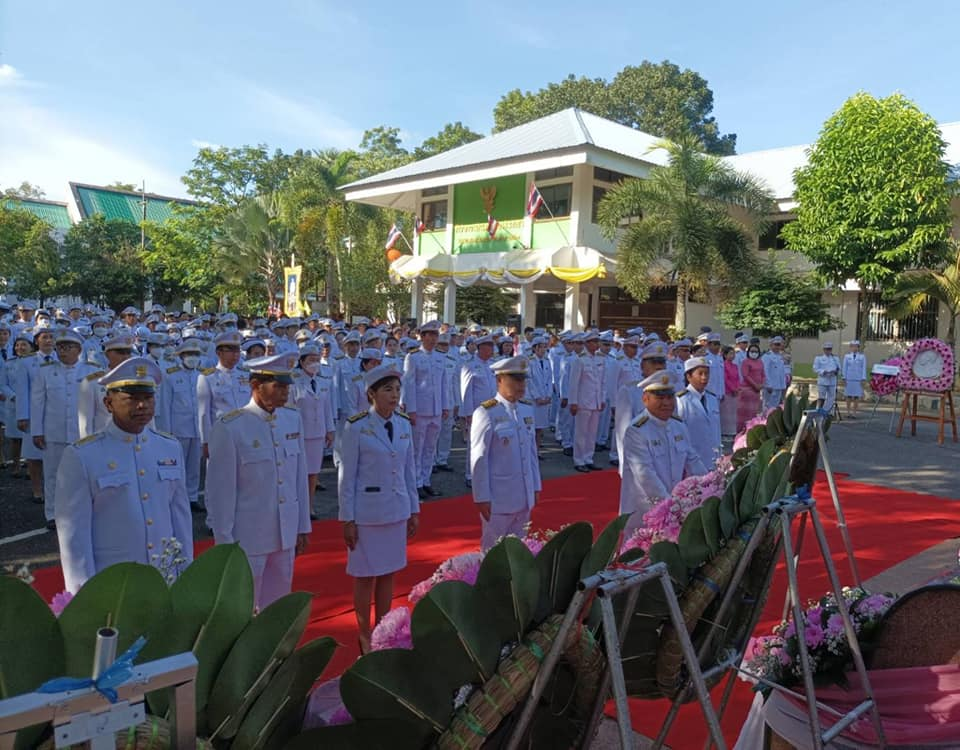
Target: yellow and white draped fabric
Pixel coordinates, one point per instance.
(518, 267)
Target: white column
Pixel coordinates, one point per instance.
(416, 299)
(528, 306)
(450, 302)
(571, 307)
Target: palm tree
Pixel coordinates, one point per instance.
(697, 217)
(253, 245)
(918, 286)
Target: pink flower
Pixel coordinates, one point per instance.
(813, 634)
(340, 716)
(60, 601)
(393, 631)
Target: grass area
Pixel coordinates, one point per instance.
(803, 370)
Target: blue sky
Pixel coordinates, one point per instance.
(102, 91)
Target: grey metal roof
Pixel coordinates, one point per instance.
(567, 129)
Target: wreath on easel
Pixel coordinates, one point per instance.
(909, 380)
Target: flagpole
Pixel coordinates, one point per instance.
(545, 205)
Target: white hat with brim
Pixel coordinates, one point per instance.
(134, 374)
(516, 366)
(378, 373)
(694, 362)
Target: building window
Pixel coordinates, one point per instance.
(434, 214)
(598, 193)
(608, 175)
(771, 239)
(557, 200)
(552, 174)
(920, 325)
(427, 192)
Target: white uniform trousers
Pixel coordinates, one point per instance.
(502, 524)
(191, 464)
(272, 576)
(425, 434)
(772, 398)
(565, 427)
(51, 462)
(603, 426)
(827, 394)
(554, 407)
(584, 436)
(468, 475)
(445, 441)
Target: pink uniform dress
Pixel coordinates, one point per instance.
(751, 375)
(729, 405)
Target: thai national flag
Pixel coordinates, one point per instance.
(418, 227)
(392, 237)
(534, 202)
(492, 226)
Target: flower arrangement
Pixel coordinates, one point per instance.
(664, 520)
(393, 631)
(740, 441)
(943, 382)
(884, 385)
(60, 602)
(776, 658)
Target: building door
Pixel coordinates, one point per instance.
(549, 311)
(617, 309)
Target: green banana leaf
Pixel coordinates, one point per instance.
(771, 480)
(604, 549)
(776, 428)
(559, 565)
(669, 553)
(727, 512)
(277, 714)
(790, 420)
(390, 685)
(692, 541)
(631, 555)
(268, 639)
(453, 623)
(747, 508)
(31, 647)
(212, 604)
(130, 597)
(509, 579)
(712, 531)
(756, 436)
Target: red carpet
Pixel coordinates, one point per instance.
(887, 527)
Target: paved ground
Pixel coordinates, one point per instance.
(862, 448)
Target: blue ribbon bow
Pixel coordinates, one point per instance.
(803, 492)
(106, 684)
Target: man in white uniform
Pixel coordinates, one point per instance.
(90, 401)
(854, 372)
(506, 473)
(257, 479)
(827, 367)
(223, 388)
(477, 384)
(776, 374)
(700, 411)
(177, 412)
(586, 399)
(625, 372)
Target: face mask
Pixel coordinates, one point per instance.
(754, 355)
(99, 332)
(311, 368)
(155, 351)
(168, 351)
(190, 361)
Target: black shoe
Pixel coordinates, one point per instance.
(469, 483)
(599, 448)
(433, 470)
(314, 516)
(442, 467)
(432, 492)
(37, 500)
(568, 451)
(581, 469)
(422, 493)
(321, 487)
(51, 525)
(593, 467)
(614, 462)
(195, 507)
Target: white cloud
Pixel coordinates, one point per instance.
(49, 150)
(198, 144)
(10, 76)
(302, 119)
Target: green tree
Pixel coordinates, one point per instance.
(917, 286)
(696, 231)
(486, 305)
(452, 134)
(128, 186)
(177, 257)
(380, 150)
(657, 98)
(102, 263)
(25, 190)
(874, 198)
(779, 301)
(15, 225)
(29, 256)
(222, 178)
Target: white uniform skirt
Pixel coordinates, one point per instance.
(315, 448)
(853, 389)
(380, 550)
(541, 416)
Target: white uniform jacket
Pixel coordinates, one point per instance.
(424, 384)
(700, 412)
(587, 381)
(315, 406)
(177, 405)
(219, 391)
(477, 384)
(54, 397)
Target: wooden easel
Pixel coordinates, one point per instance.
(910, 404)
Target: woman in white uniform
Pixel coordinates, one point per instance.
(312, 396)
(379, 504)
(23, 348)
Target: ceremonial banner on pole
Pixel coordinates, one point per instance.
(291, 294)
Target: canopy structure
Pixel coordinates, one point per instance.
(518, 267)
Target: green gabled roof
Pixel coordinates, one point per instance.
(123, 204)
(52, 212)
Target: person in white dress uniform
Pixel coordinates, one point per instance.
(177, 412)
(586, 399)
(477, 384)
(312, 395)
(257, 479)
(700, 411)
(91, 406)
(379, 503)
(46, 356)
(223, 388)
(827, 368)
(506, 472)
(626, 372)
(776, 374)
(540, 386)
(657, 451)
(629, 400)
(853, 373)
(445, 440)
(54, 421)
(15, 374)
(121, 493)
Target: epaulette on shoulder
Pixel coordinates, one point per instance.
(340, 356)
(231, 415)
(208, 370)
(171, 370)
(489, 403)
(526, 401)
(681, 394)
(95, 375)
(402, 415)
(89, 439)
(161, 433)
(358, 417)
(47, 364)
(641, 421)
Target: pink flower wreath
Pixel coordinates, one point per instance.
(910, 382)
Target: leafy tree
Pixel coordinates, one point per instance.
(380, 150)
(688, 234)
(26, 190)
(15, 225)
(452, 134)
(102, 262)
(657, 98)
(178, 259)
(224, 178)
(29, 256)
(874, 199)
(486, 305)
(917, 286)
(779, 301)
(128, 186)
